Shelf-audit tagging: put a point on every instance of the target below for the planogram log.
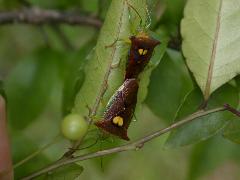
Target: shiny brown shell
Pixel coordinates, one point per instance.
(122, 105)
(140, 53)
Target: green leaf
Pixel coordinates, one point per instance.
(70, 172)
(210, 42)
(99, 74)
(206, 126)
(21, 148)
(208, 155)
(173, 12)
(29, 87)
(232, 131)
(169, 84)
(74, 77)
(5, 4)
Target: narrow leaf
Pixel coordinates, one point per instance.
(104, 71)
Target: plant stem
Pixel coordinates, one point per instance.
(36, 15)
(136, 145)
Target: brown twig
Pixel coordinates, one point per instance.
(39, 16)
(232, 110)
(136, 145)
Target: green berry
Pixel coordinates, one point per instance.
(74, 126)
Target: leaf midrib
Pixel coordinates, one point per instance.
(103, 86)
(213, 55)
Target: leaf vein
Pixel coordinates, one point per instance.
(213, 54)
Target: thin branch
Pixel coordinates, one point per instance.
(232, 110)
(34, 154)
(63, 38)
(39, 16)
(136, 145)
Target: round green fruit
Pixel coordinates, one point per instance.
(74, 126)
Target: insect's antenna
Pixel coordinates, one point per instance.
(101, 158)
(95, 142)
(141, 20)
(149, 20)
(134, 115)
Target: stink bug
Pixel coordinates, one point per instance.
(120, 109)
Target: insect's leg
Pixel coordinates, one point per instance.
(101, 158)
(86, 147)
(125, 40)
(113, 44)
(134, 115)
(93, 118)
(89, 110)
(134, 9)
(148, 20)
(117, 64)
(90, 116)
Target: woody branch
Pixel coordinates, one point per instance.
(135, 145)
(40, 16)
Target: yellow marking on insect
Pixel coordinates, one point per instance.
(145, 52)
(118, 120)
(140, 51)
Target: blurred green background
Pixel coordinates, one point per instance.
(39, 67)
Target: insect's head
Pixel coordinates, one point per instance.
(143, 45)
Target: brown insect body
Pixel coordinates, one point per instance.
(122, 106)
(119, 112)
(140, 53)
